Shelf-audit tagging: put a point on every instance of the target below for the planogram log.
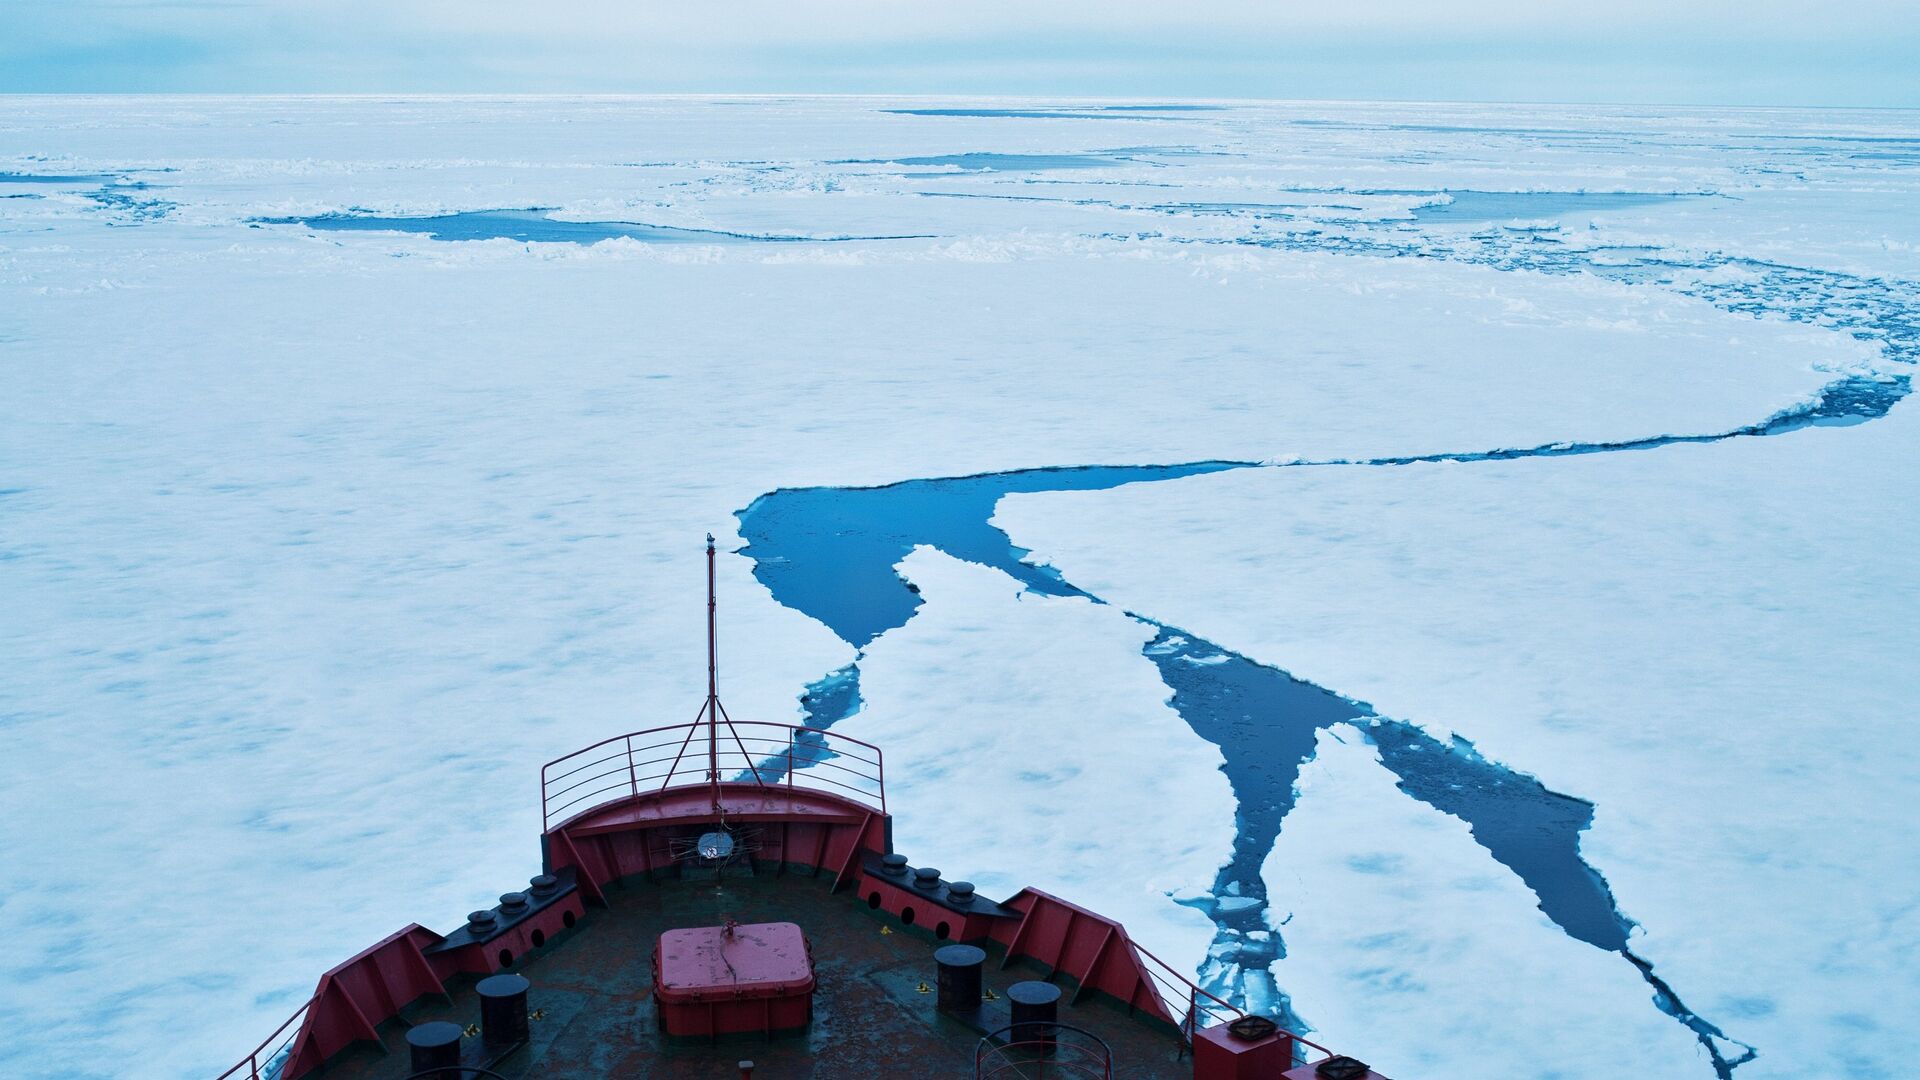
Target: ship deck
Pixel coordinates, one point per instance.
(594, 1013)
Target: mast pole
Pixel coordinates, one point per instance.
(713, 684)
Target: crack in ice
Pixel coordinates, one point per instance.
(831, 553)
(1263, 719)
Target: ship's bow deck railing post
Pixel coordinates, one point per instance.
(633, 778)
(755, 752)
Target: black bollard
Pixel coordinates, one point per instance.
(503, 1010)
(435, 1045)
(959, 977)
(1036, 1013)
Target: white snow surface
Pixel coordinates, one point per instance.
(314, 545)
(1713, 644)
(1009, 709)
(1372, 888)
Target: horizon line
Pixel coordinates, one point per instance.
(922, 94)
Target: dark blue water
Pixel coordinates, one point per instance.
(1535, 833)
(1483, 206)
(1532, 831)
(130, 204)
(1855, 399)
(54, 178)
(534, 226)
(830, 552)
(832, 697)
(1266, 724)
(124, 201)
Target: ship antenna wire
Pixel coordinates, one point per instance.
(713, 684)
(713, 710)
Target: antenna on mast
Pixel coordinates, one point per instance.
(714, 712)
(713, 682)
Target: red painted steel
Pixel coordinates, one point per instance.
(742, 803)
(733, 979)
(1066, 937)
(630, 836)
(634, 835)
(1219, 1055)
(896, 898)
(351, 1000)
(504, 950)
(1096, 952)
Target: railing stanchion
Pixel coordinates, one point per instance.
(586, 778)
(633, 778)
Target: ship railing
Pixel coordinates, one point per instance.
(1203, 1009)
(1191, 1007)
(1038, 1050)
(270, 1057)
(745, 751)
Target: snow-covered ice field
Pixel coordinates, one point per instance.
(1540, 646)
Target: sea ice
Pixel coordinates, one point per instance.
(313, 545)
(1405, 941)
(1014, 715)
(1711, 643)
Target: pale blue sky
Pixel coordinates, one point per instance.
(1767, 52)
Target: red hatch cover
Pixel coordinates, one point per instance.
(754, 960)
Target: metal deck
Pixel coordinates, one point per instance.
(594, 1014)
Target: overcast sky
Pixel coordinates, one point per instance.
(1765, 52)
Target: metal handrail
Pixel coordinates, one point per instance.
(625, 766)
(262, 1065)
(1083, 1055)
(1204, 1010)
